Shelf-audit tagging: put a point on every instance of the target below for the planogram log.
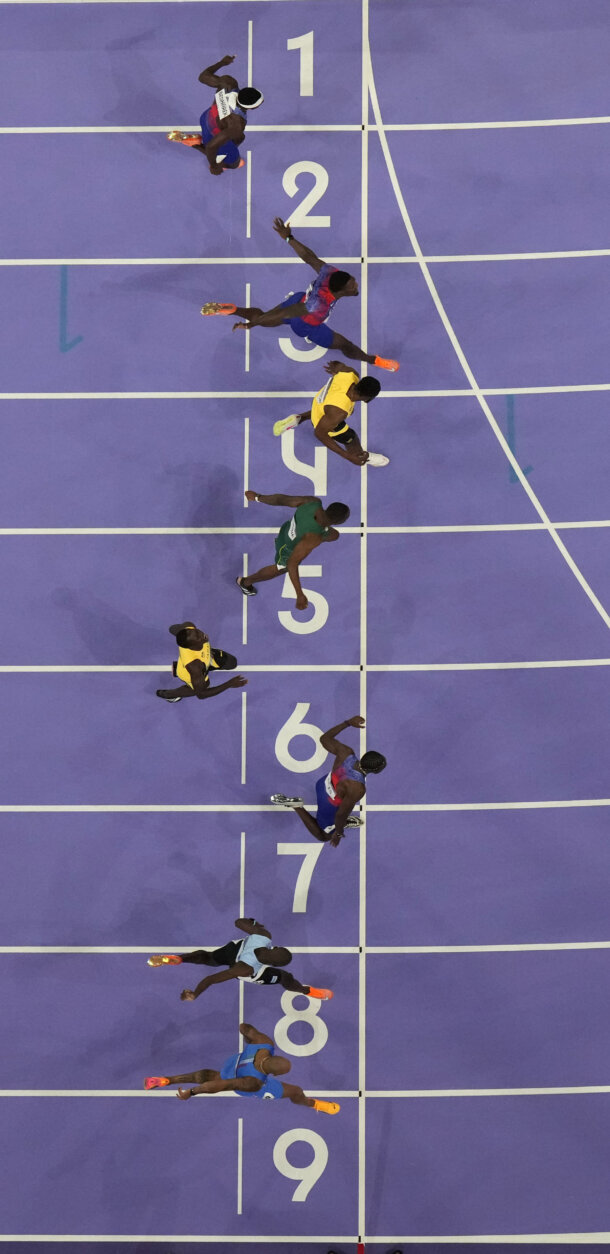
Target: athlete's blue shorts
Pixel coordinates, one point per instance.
(327, 812)
(320, 334)
(230, 151)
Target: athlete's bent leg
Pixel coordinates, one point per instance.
(176, 694)
(260, 576)
(194, 1077)
(351, 350)
(310, 823)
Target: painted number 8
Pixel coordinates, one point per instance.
(307, 1175)
(309, 1015)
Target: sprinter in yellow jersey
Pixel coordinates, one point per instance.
(330, 409)
(196, 658)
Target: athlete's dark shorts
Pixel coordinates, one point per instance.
(226, 956)
(320, 334)
(221, 661)
(346, 437)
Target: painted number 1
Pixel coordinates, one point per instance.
(304, 43)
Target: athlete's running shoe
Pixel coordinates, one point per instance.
(285, 424)
(354, 822)
(217, 307)
(386, 363)
(377, 459)
(278, 799)
(321, 994)
(180, 138)
(171, 700)
(329, 1108)
(163, 960)
(156, 1082)
(247, 591)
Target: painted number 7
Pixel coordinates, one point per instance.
(308, 1176)
(304, 43)
(310, 854)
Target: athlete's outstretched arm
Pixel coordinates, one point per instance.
(329, 740)
(253, 1036)
(301, 250)
(247, 1084)
(278, 498)
(295, 1094)
(232, 973)
(252, 927)
(205, 691)
(290, 982)
(210, 77)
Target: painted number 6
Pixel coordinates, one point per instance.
(301, 216)
(294, 726)
(307, 1175)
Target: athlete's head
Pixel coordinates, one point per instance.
(277, 956)
(249, 98)
(372, 763)
(275, 1065)
(341, 283)
(191, 638)
(367, 388)
(336, 513)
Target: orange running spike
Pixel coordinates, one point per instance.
(323, 994)
(216, 307)
(329, 1108)
(156, 1082)
(164, 960)
(386, 363)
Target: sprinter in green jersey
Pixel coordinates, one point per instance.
(310, 525)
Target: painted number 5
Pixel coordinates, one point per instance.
(318, 602)
(304, 44)
(301, 216)
(308, 1176)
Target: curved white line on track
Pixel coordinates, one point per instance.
(459, 352)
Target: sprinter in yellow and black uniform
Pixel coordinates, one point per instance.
(196, 658)
(330, 409)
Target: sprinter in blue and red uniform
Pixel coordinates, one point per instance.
(253, 1072)
(306, 313)
(223, 125)
(340, 790)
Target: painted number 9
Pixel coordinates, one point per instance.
(308, 1176)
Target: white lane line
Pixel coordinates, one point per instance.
(240, 1162)
(433, 259)
(448, 529)
(273, 128)
(244, 608)
(250, 34)
(166, 1239)
(480, 949)
(247, 334)
(518, 1238)
(422, 808)
(246, 459)
(248, 194)
(159, 949)
(433, 1094)
(244, 738)
(457, 348)
(314, 667)
(387, 394)
(364, 193)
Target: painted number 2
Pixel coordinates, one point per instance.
(300, 216)
(308, 1176)
(304, 44)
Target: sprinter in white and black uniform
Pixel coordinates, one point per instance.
(252, 959)
(223, 125)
